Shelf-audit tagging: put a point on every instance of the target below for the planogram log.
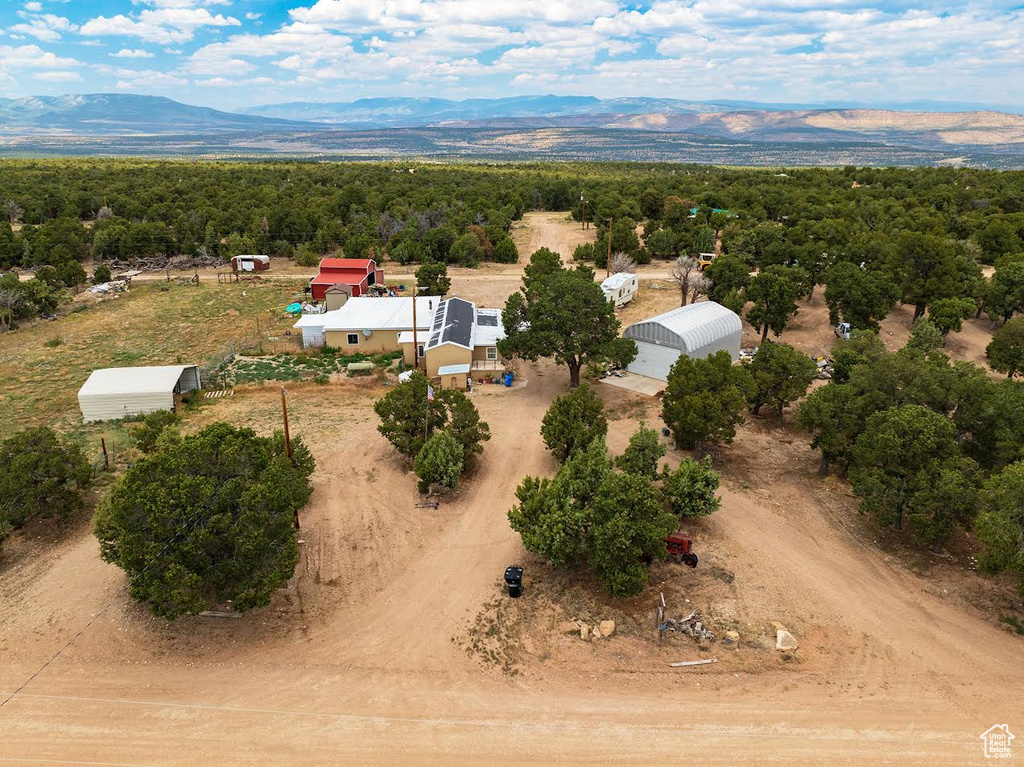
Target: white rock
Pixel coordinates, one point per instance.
(784, 640)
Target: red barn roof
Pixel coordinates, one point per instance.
(347, 264)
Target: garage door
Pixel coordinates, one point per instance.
(653, 360)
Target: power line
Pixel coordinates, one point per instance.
(97, 615)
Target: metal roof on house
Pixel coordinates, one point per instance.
(487, 330)
(453, 324)
(373, 313)
(688, 328)
(142, 380)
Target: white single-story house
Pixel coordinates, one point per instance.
(620, 288)
(697, 331)
(112, 393)
(367, 324)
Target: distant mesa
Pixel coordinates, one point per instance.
(521, 127)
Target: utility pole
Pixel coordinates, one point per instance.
(288, 442)
(583, 218)
(287, 436)
(608, 263)
(415, 337)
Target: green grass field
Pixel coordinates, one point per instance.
(156, 324)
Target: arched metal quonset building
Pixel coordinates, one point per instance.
(696, 330)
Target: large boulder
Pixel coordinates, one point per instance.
(607, 628)
(784, 640)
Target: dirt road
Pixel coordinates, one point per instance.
(356, 661)
(364, 658)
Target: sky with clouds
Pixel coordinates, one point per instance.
(236, 53)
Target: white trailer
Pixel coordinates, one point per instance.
(620, 288)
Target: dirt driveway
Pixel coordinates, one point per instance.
(360, 658)
(364, 657)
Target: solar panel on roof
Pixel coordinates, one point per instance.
(490, 320)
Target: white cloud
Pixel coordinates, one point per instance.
(34, 6)
(148, 79)
(180, 3)
(207, 62)
(130, 53)
(163, 25)
(768, 49)
(46, 26)
(58, 76)
(398, 14)
(27, 57)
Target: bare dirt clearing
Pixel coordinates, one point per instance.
(554, 231)
(393, 642)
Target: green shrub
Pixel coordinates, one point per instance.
(439, 462)
(152, 426)
(101, 274)
(40, 475)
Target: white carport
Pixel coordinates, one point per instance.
(697, 331)
(112, 393)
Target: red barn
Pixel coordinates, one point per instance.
(356, 274)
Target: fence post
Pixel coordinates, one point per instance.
(106, 460)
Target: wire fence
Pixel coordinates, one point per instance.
(111, 451)
(262, 335)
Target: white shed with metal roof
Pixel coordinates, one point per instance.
(697, 331)
(112, 393)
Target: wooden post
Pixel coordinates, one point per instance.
(106, 459)
(287, 436)
(415, 336)
(288, 441)
(608, 263)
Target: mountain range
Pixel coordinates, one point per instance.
(377, 113)
(111, 123)
(123, 113)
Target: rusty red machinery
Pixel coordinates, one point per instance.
(680, 545)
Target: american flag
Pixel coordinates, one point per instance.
(430, 393)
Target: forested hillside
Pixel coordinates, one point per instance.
(924, 231)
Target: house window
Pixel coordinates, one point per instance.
(353, 339)
(419, 350)
(492, 352)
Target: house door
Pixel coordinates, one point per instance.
(455, 382)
